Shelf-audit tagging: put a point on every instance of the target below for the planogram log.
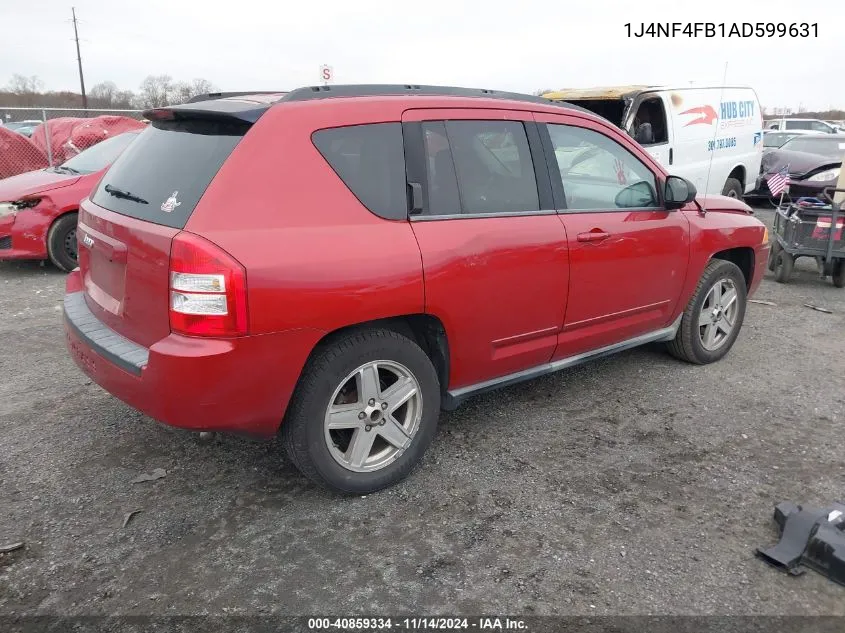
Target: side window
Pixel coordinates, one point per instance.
(598, 173)
(818, 126)
(443, 198)
(797, 125)
(370, 159)
(492, 163)
(650, 123)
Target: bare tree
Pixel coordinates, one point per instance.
(201, 87)
(22, 85)
(156, 91)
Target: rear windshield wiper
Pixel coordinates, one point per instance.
(120, 193)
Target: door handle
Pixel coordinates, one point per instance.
(596, 235)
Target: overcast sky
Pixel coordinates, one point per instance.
(514, 45)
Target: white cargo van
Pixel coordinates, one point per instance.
(711, 136)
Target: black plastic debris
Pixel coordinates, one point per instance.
(810, 537)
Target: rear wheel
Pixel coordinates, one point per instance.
(784, 262)
(713, 316)
(61, 242)
(838, 274)
(364, 412)
(732, 188)
(773, 253)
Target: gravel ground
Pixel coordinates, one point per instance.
(632, 485)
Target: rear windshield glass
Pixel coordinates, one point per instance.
(162, 175)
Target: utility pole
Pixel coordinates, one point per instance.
(79, 60)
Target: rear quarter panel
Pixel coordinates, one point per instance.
(315, 256)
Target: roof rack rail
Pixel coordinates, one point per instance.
(372, 90)
(223, 95)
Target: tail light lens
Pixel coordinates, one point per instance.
(207, 289)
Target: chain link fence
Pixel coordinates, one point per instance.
(36, 138)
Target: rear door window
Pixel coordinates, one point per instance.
(494, 167)
(370, 160)
(163, 174)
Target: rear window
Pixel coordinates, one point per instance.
(370, 159)
(162, 175)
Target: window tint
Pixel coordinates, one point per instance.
(164, 172)
(819, 126)
(443, 198)
(370, 159)
(798, 125)
(598, 173)
(494, 169)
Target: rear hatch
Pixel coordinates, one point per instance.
(144, 200)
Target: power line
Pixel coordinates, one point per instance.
(79, 60)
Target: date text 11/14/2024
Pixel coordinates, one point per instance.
(420, 623)
(722, 29)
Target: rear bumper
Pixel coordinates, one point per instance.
(234, 385)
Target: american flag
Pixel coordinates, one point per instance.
(778, 182)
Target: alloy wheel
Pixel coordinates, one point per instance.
(373, 416)
(717, 318)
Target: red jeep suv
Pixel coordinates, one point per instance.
(339, 263)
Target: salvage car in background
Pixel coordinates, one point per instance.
(38, 209)
(18, 154)
(711, 136)
(772, 139)
(808, 125)
(813, 162)
(68, 136)
(23, 127)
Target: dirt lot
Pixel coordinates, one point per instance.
(635, 484)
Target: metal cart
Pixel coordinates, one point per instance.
(810, 229)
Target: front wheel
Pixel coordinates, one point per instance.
(713, 316)
(61, 243)
(732, 188)
(364, 412)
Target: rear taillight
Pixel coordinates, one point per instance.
(207, 289)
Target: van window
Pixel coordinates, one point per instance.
(370, 160)
(598, 173)
(651, 112)
(494, 166)
(162, 175)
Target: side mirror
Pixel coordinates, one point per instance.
(678, 192)
(640, 195)
(645, 134)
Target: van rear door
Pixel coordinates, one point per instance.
(143, 201)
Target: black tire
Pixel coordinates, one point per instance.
(773, 253)
(61, 242)
(733, 188)
(784, 263)
(303, 427)
(838, 274)
(687, 344)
